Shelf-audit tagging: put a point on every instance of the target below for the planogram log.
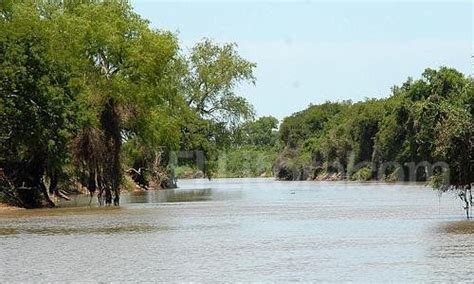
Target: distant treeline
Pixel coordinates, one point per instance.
(424, 130)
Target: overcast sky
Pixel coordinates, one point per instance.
(311, 52)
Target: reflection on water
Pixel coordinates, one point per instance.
(454, 240)
(451, 251)
(78, 230)
(61, 211)
(244, 230)
(172, 195)
(460, 227)
(153, 196)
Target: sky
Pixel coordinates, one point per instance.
(309, 52)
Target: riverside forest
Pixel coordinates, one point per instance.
(238, 147)
(92, 98)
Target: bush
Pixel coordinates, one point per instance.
(363, 174)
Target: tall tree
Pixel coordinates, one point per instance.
(209, 77)
(214, 72)
(39, 112)
(130, 81)
(118, 72)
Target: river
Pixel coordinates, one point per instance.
(244, 230)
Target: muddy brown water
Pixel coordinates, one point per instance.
(245, 230)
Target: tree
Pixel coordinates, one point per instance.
(114, 81)
(426, 122)
(130, 83)
(209, 76)
(261, 132)
(213, 73)
(118, 97)
(308, 123)
(39, 112)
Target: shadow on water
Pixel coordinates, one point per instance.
(79, 207)
(80, 203)
(61, 211)
(453, 240)
(460, 227)
(151, 196)
(61, 230)
(170, 195)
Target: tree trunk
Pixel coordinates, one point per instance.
(46, 197)
(113, 173)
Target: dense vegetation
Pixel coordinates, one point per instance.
(423, 131)
(252, 149)
(92, 97)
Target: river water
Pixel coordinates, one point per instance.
(245, 230)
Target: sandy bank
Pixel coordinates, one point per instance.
(7, 208)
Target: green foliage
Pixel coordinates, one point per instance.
(246, 161)
(39, 109)
(309, 123)
(363, 174)
(254, 148)
(209, 76)
(90, 84)
(213, 72)
(426, 120)
(185, 172)
(261, 132)
(89, 92)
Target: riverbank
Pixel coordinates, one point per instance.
(192, 174)
(8, 208)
